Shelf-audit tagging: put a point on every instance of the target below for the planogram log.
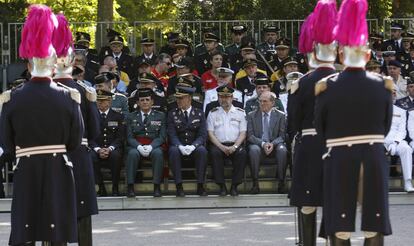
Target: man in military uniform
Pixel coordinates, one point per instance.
(246, 84)
(355, 165)
(187, 134)
(388, 54)
(407, 39)
(262, 84)
(186, 80)
(397, 30)
(169, 48)
(183, 49)
(407, 103)
(271, 34)
(106, 50)
(123, 60)
(211, 42)
(145, 136)
(81, 157)
(201, 48)
(282, 52)
(394, 71)
(119, 101)
(148, 81)
(227, 127)
(237, 33)
(92, 60)
(373, 66)
(44, 196)
(183, 67)
(108, 146)
(148, 49)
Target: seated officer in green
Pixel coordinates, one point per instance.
(146, 132)
(262, 85)
(119, 101)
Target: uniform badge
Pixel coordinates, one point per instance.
(406, 66)
(195, 121)
(112, 123)
(205, 61)
(302, 60)
(155, 123)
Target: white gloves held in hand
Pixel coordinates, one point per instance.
(144, 150)
(186, 149)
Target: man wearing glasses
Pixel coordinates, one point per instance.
(160, 70)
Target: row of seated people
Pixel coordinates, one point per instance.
(183, 133)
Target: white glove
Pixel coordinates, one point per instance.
(147, 150)
(141, 150)
(392, 148)
(182, 149)
(190, 149)
(1, 151)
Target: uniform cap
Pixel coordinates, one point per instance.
(184, 89)
(239, 29)
(147, 78)
(116, 39)
(172, 36)
(394, 63)
(289, 60)
(211, 37)
(397, 26)
(83, 37)
(271, 28)
(144, 92)
(249, 62)
(261, 79)
(111, 33)
(224, 70)
(225, 90)
(282, 43)
(147, 41)
(373, 64)
(103, 95)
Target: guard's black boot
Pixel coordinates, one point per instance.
(102, 190)
(300, 226)
(378, 240)
(84, 231)
(339, 242)
(309, 229)
(223, 190)
(115, 190)
(200, 190)
(233, 190)
(180, 190)
(130, 192)
(157, 190)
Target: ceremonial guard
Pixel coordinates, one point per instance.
(307, 179)
(355, 167)
(108, 146)
(187, 134)
(41, 123)
(81, 157)
(146, 132)
(227, 127)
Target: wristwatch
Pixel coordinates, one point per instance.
(235, 146)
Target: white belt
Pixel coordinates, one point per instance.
(360, 139)
(309, 132)
(84, 141)
(41, 150)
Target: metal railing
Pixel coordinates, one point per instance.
(407, 22)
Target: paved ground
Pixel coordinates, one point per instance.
(210, 227)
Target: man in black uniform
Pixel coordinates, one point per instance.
(187, 134)
(123, 60)
(407, 103)
(108, 146)
(355, 167)
(211, 42)
(271, 34)
(307, 179)
(40, 123)
(237, 33)
(397, 30)
(92, 61)
(81, 157)
(148, 48)
(169, 48)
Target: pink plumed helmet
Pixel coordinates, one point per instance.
(36, 41)
(306, 40)
(325, 19)
(63, 43)
(351, 32)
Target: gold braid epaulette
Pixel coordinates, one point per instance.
(322, 84)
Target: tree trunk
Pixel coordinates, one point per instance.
(105, 14)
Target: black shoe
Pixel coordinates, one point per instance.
(339, 242)
(255, 189)
(200, 190)
(308, 222)
(130, 192)
(115, 191)
(233, 190)
(180, 190)
(102, 190)
(281, 187)
(378, 240)
(223, 190)
(157, 190)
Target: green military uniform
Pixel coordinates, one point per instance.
(201, 49)
(253, 104)
(120, 104)
(232, 50)
(150, 131)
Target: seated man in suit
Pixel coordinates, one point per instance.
(107, 148)
(266, 137)
(145, 135)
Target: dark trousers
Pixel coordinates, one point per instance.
(256, 155)
(198, 156)
(238, 160)
(113, 163)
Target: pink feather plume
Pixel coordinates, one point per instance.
(352, 27)
(37, 32)
(306, 35)
(325, 18)
(62, 37)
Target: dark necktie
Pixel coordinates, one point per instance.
(145, 118)
(266, 136)
(396, 45)
(186, 116)
(103, 116)
(117, 59)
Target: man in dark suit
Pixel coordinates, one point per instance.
(266, 137)
(108, 147)
(187, 133)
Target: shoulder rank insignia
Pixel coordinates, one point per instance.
(119, 94)
(240, 109)
(90, 93)
(214, 109)
(74, 94)
(322, 84)
(5, 97)
(388, 83)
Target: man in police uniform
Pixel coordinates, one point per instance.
(119, 101)
(81, 157)
(237, 33)
(397, 30)
(184, 67)
(262, 84)
(106, 50)
(407, 103)
(271, 34)
(394, 71)
(282, 52)
(44, 196)
(246, 84)
(211, 42)
(148, 81)
(145, 136)
(187, 134)
(227, 126)
(201, 48)
(148, 49)
(108, 146)
(225, 76)
(186, 81)
(123, 60)
(92, 61)
(355, 166)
